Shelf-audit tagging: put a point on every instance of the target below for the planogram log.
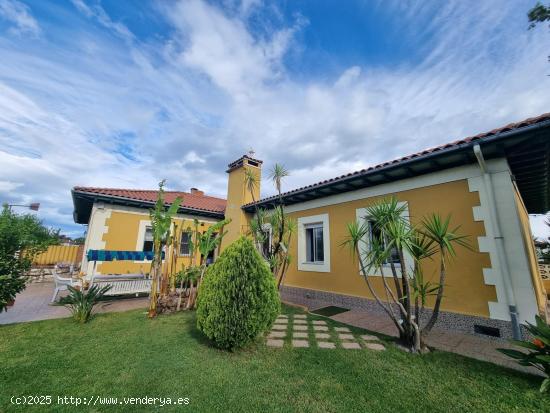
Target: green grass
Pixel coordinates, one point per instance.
(126, 355)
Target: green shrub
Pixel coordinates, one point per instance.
(539, 351)
(238, 299)
(82, 303)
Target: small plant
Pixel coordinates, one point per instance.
(238, 298)
(539, 355)
(82, 303)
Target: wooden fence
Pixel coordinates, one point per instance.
(60, 253)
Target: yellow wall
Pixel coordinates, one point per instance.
(59, 253)
(465, 290)
(122, 234)
(237, 196)
(540, 292)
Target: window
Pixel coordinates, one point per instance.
(212, 254)
(267, 240)
(148, 239)
(185, 244)
(374, 233)
(314, 243)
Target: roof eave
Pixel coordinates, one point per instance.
(323, 190)
(82, 217)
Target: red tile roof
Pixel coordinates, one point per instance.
(480, 136)
(191, 201)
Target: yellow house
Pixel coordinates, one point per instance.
(488, 184)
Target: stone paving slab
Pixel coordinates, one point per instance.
(325, 344)
(322, 335)
(281, 320)
(282, 316)
(277, 334)
(343, 336)
(300, 327)
(279, 327)
(375, 346)
(300, 321)
(351, 346)
(369, 337)
(319, 323)
(275, 343)
(300, 334)
(320, 328)
(300, 316)
(342, 329)
(300, 343)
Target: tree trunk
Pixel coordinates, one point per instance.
(409, 331)
(371, 289)
(435, 313)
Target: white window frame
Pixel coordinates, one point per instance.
(303, 223)
(362, 214)
(181, 243)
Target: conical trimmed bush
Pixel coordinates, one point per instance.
(238, 298)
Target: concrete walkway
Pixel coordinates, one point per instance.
(468, 345)
(34, 304)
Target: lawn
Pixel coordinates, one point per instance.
(126, 355)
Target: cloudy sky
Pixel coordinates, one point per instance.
(124, 93)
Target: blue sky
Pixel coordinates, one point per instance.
(124, 93)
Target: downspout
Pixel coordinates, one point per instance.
(499, 241)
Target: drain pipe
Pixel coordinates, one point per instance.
(499, 241)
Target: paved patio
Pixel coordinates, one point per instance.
(34, 304)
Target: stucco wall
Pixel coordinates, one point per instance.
(466, 291)
(122, 228)
(529, 245)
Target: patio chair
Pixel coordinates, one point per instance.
(61, 283)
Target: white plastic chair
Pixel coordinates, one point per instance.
(61, 283)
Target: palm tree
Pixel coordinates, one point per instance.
(282, 228)
(161, 222)
(384, 232)
(438, 231)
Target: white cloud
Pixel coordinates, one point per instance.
(19, 15)
(7, 186)
(110, 111)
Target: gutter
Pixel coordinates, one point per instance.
(499, 241)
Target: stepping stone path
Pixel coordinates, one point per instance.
(351, 346)
(375, 346)
(300, 343)
(299, 335)
(275, 343)
(342, 329)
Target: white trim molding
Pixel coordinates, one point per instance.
(303, 265)
(491, 275)
(361, 214)
(96, 229)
